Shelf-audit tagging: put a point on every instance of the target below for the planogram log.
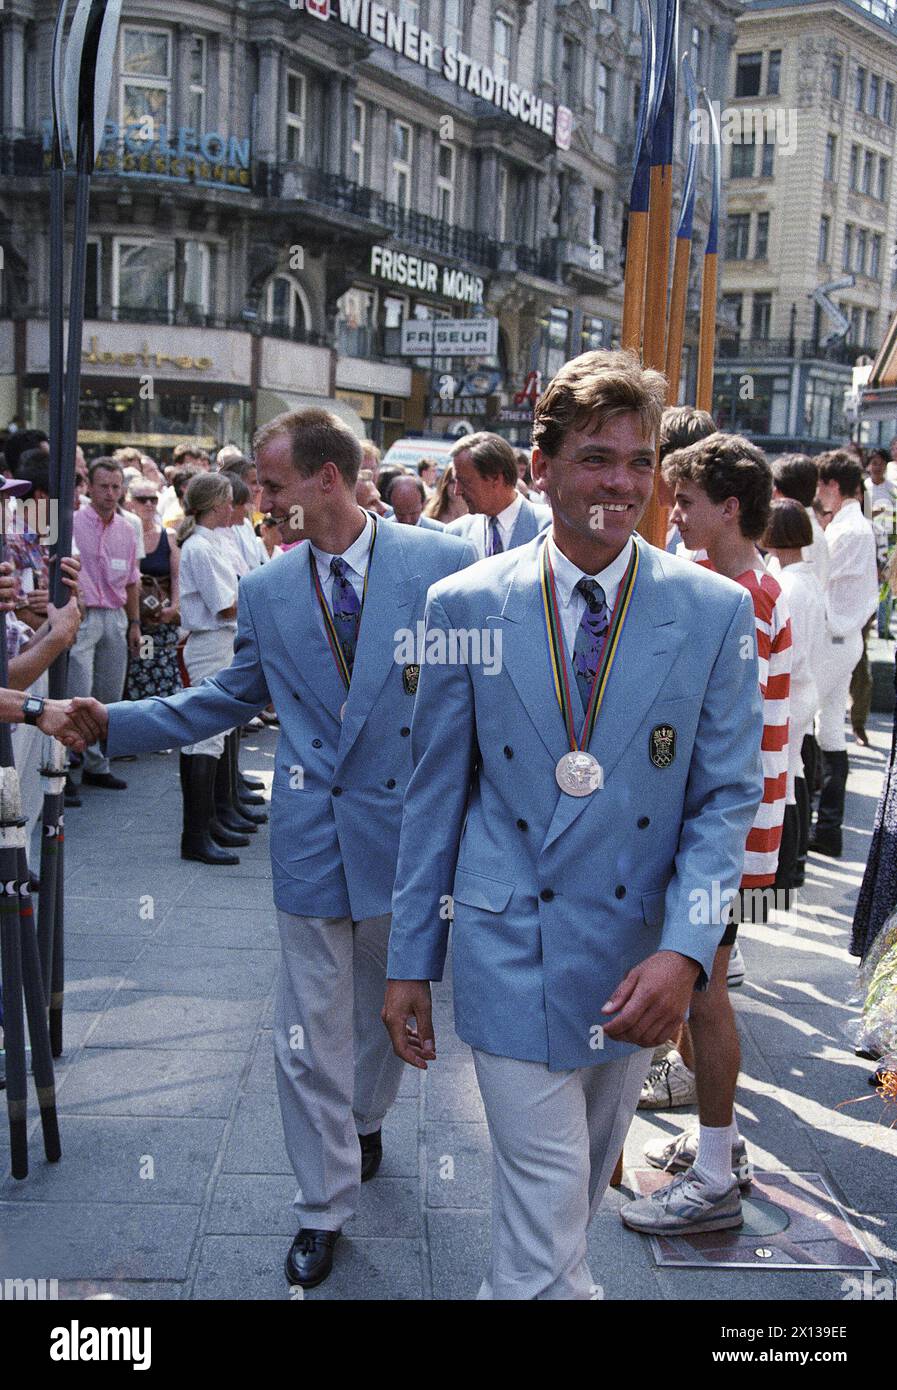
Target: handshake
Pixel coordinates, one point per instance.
(76, 723)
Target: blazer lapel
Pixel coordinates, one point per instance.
(391, 596)
(297, 623)
(524, 526)
(649, 644)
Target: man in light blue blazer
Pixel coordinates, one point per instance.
(500, 517)
(407, 496)
(584, 856)
(321, 634)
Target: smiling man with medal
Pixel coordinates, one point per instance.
(575, 805)
(317, 634)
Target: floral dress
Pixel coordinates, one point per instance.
(157, 672)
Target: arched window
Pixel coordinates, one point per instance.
(287, 310)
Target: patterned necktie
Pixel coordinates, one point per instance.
(346, 610)
(495, 545)
(589, 635)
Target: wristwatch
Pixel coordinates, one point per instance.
(32, 709)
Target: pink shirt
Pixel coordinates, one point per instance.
(108, 558)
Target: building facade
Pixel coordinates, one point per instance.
(282, 187)
(811, 202)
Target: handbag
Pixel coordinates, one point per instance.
(154, 595)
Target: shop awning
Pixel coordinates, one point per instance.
(878, 394)
(271, 403)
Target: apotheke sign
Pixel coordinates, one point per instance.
(381, 25)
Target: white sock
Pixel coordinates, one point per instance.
(713, 1163)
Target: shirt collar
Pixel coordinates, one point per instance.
(356, 557)
(567, 576)
(508, 517)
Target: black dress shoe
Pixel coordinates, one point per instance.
(311, 1257)
(103, 779)
(371, 1154)
(71, 793)
(829, 847)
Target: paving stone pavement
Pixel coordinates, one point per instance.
(174, 1182)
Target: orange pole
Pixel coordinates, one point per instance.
(634, 281)
(676, 335)
(658, 269)
(707, 337)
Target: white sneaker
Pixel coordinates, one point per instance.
(668, 1085)
(683, 1208)
(679, 1154)
(735, 975)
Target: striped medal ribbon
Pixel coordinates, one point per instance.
(329, 625)
(578, 772)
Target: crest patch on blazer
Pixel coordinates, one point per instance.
(662, 745)
(410, 678)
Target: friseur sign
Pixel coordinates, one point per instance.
(179, 153)
(393, 31)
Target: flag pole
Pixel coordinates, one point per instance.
(707, 334)
(637, 230)
(682, 257)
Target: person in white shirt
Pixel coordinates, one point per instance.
(851, 598)
(499, 517)
(877, 487)
(891, 469)
(788, 536)
(797, 476)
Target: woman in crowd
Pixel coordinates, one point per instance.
(155, 670)
(241, 530)
(447, 504)
(269, 535)
(789, 530)
(878, 893)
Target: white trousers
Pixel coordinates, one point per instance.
(833, 680)
(556, 1138)
(97, 665)
(205, 654)
(337, 1074)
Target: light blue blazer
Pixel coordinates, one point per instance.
(557, 897)
(530, 521)
(337, 792)
(429, 523)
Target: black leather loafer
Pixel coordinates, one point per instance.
(311, 1257)
(103, 779)
(371, 1154)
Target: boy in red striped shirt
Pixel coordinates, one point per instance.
(723, 491)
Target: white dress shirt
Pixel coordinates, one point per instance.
(356, 558)
(572, 605)
(817, 552)
(507, 520)
(207, 583)
(809, 645)
(851, 596)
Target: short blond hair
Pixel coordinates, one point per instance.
(592, 389)
(316, 437)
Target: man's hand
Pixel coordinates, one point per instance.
(38, 600)
(54, 719)
(65, 620)
(169, 614)
(134, 636)
(7, 587)
(651, 1001)
(403, 999)
(88, 718)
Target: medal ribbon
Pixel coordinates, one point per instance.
(329, 625)
(558, 652)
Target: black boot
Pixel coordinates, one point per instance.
(197, 781)
(242, 807)
(250, 784)
(826, 836)
(228, 815)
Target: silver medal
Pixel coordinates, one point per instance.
(579, 774)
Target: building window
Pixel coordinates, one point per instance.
(854, 167)
(825, 225)
(145, 92)
(697, 51)
(197, 279)
(568, 71)
(733, 307)
(872, 95)
(856, 324)
(92, 281)
(887, 104)
(636, 17)
(761, 313)
(602, 84)
(737, 231)
(445, 183)
(862, 239)
(742, 166)
(774, 72)
(295, 117)
(356, 322)
(143, 280)
(593, 335)
(359, 125)
(883, 167)
(871, 336)
(748, 67)
(558, 338)
(636, 100)
(402, 151)
(597, 217)
(875, 261)
(831, 145)
(197, 108)
(767, 161)
(453, 24)
(761, 245)
(859, 89)
(285, 307)
(837, 73)
(501, 45)
(868, 170)
(502, 224)
(607, 5)
(847, 255)
(409, 10)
